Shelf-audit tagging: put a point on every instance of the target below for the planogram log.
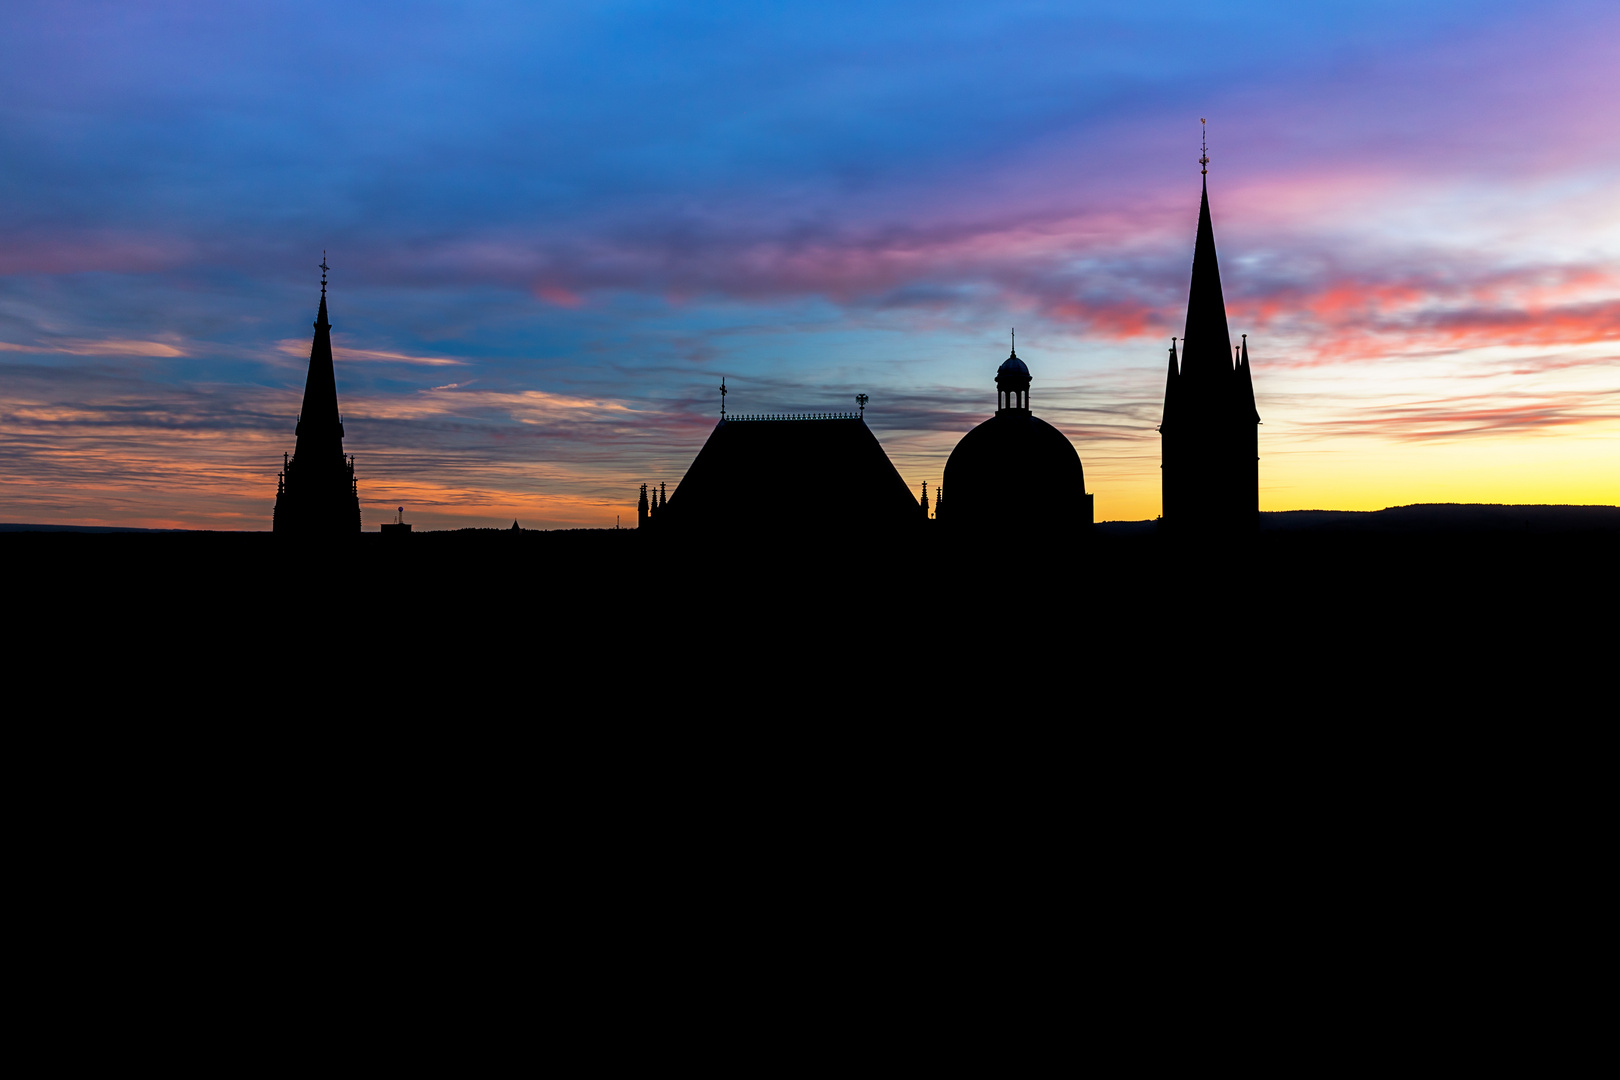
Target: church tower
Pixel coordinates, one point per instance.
(316, 493)
(1209, 435)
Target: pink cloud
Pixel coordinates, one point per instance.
(559, 296)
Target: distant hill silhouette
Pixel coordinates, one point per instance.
(1423, 518)
(1451, 517)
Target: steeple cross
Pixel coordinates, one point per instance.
(1203, 145)
(324, 269)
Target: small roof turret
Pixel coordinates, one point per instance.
(1012, 368)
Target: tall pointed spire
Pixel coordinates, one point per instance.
(319, 494)
(1206, 343)
(1210, 473)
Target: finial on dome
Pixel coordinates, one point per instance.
(1203, 145)
(1015, 341)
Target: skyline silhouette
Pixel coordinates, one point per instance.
(548, 258)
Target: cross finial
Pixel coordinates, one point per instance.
(1203, 145)
(324, 269)
(722, 397)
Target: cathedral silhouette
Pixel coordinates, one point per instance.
(1012, 475)
(827, 474)
(316, 493)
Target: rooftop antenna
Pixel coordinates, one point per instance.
(1203, 145)
(722, 397)
(324, 269)
(861, 400)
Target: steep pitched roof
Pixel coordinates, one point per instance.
(793, 475)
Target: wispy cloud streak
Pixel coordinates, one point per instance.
(555, 228)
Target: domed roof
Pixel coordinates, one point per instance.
(1013, 472)
(1013, 366)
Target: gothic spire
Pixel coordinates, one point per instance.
(318, 493)
(320, 428)
(1206, 342)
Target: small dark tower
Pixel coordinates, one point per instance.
(1209, 436)
(1012, 383)
(316, 494)
(643, 511)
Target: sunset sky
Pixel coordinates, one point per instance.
(553, 228)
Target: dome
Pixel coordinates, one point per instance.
(1013, 366)
(1015, 472)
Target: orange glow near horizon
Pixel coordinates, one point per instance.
(1499, 425)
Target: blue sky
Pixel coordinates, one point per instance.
(553, 228)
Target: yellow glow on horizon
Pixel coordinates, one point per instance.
(1367, 473)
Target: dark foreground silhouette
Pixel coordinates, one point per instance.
(1316, 612)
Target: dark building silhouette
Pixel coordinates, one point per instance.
(398, 527)
(788, 476)
(1210, 437)
(647, 508)
(316, 493)
(1014, 473)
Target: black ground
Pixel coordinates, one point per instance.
(1318, 610)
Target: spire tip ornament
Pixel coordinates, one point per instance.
(1203, 146)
